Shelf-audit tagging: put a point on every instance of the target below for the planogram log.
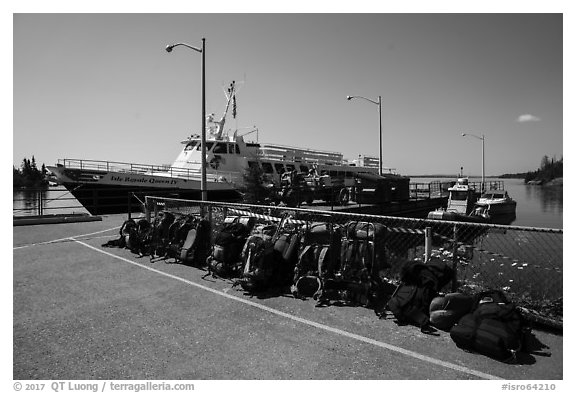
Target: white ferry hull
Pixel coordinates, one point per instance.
(111, 192)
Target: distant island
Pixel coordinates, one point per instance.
(550, 173)
(28, 175)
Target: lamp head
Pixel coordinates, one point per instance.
(463, 134)
(348, 98)
(169, 48)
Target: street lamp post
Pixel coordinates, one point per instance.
(379, 103)
(203, 134)
(482, 139)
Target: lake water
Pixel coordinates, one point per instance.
(537, 206)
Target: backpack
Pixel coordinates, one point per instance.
(362, 257)
(286, 244)
(446, 310)
(160, 234)
(195, 246)
(129, 233)
(124, 232)
(260, 260)
(224, 260)
(139, 241)
(420, 284)
(177, 234)
(269, 258)
(494, 328)
(318, 259)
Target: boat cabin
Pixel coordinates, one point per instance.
(461, 198)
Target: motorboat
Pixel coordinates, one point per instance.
(495, 203)
(461, 202)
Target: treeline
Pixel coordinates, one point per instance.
(550, 169)
(513, 176)
(28, 175)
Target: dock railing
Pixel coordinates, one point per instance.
(45, 201)
(526, 263)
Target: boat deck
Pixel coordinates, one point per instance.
(141, 169)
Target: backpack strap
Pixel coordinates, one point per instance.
(302, 253)
(247, 267)
(321, 257)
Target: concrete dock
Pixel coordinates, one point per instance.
(86, 312)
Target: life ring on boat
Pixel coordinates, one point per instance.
(215, 162)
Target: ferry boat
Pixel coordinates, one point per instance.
(106, 187)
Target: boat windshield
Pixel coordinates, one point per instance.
(191, 145)
(493, 196)
(459, 195)
(198, 145)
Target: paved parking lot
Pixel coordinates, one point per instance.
(86, 312)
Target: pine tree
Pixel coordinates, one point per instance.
(29, 175)
(254, 190)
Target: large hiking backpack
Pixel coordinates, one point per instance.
(224, 260)
(420, 283)
(362, 257)
(269, 258)
(129, 233)
(133, 236)
(128, 227)
(494, 328)
(139, 240)
(318, 259)
(259, 261)
(160, 234)
(196, 244)
(286, 244)
(177, 233)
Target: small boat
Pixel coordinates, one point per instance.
(495, 203)
(461, 204)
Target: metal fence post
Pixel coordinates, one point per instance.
(95, 200)
(146, 209)
(455, 259)
(130, 205)
(427, 243)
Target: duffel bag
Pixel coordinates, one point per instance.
(446, 310)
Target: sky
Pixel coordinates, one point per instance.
(102, 87)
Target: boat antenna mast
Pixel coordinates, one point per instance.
(230, 98)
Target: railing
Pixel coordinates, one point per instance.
(524, 262)
(434, 189)
(58, 200)
(146, 169)
(45, 201)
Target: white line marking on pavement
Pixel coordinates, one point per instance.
(71, 238)
(344, 333)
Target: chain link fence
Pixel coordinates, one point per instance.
(526, 263)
